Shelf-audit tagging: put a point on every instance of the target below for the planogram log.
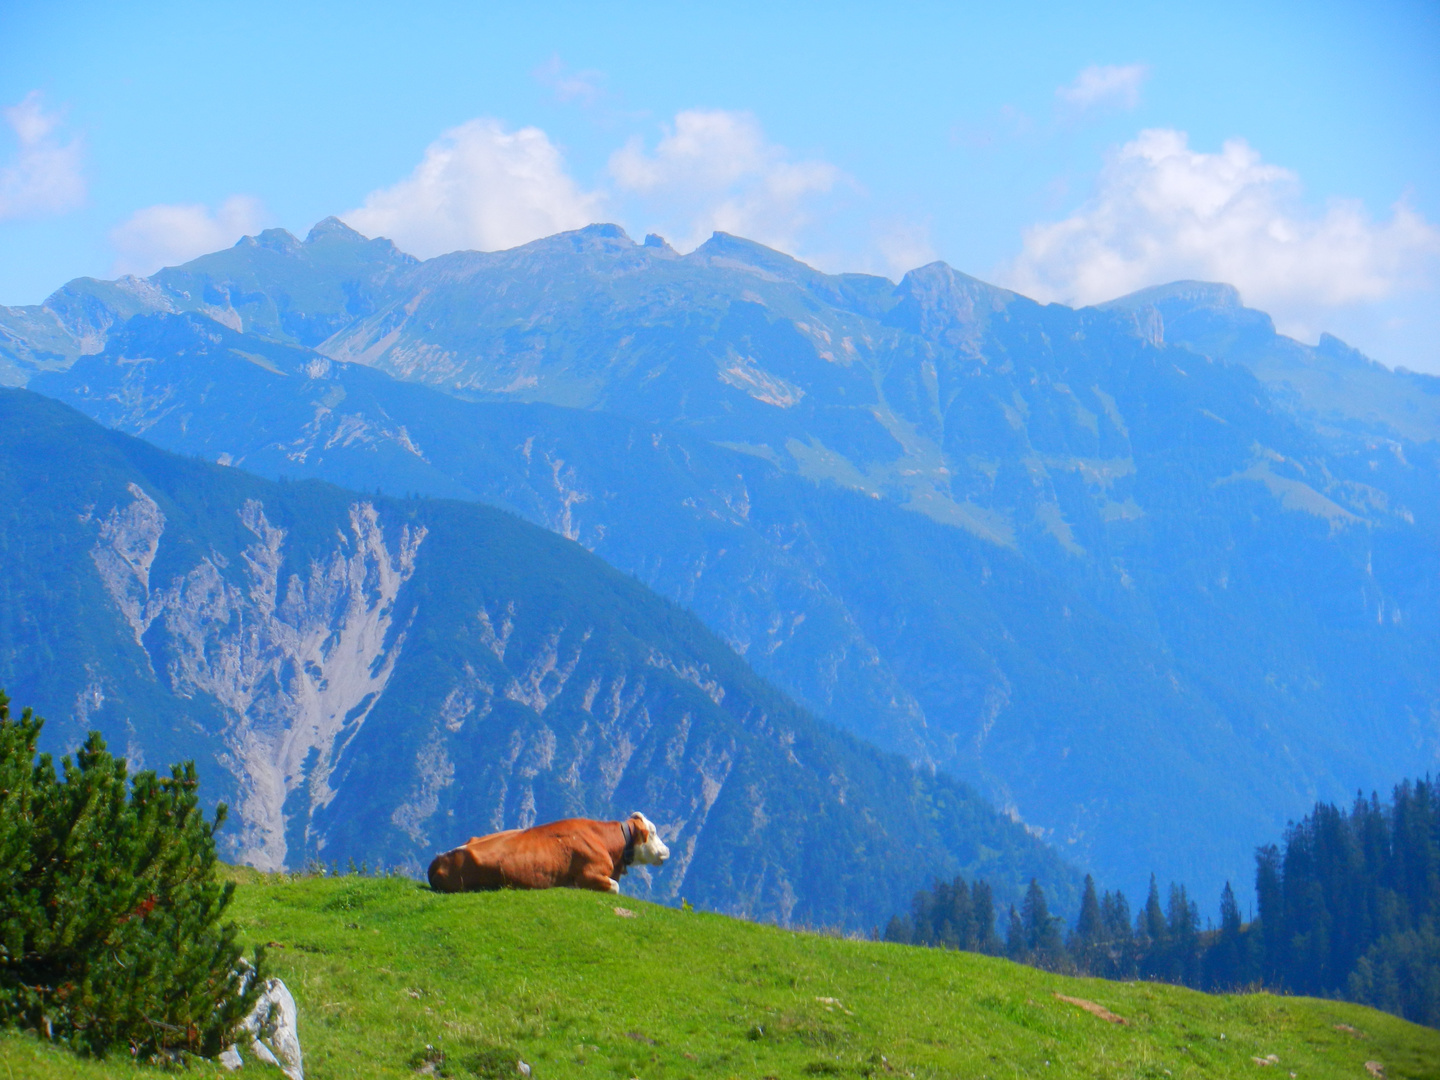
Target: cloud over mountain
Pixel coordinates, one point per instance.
(173, 233)
(479, 186)
(713, 170)
(45, 175)
(1163, 211)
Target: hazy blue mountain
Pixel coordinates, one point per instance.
(367, 678)
(1331, 383)
(1152, 603)
(270, 284)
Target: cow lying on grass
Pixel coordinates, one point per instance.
(578, 853)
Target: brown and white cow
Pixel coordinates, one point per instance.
(578, 853)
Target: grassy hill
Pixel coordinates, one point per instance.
(394, 981)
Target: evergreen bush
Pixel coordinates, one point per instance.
(110, 908)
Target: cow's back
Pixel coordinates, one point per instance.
(541, 857)
(474, 865)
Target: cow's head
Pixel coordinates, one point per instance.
(650, 850)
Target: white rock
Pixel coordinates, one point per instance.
(230, 1058)
(274, 1034)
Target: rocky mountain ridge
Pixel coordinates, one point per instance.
(1031, 545)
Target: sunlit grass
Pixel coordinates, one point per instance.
(395, 981)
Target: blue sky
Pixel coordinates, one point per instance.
(1073, 152)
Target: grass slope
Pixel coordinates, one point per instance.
(384, 971)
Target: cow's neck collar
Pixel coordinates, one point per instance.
(628, 832)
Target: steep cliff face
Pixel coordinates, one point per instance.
(295, 664)
(367, 678)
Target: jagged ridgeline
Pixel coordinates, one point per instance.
(372, 679)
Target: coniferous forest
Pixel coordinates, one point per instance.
(1348, 907)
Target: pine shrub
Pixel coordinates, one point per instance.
(110, 908)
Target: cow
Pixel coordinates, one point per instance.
(577, 853)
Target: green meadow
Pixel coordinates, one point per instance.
(395, 981)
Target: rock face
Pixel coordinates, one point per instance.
(272, 1033)
(1114, 566)
(296, 664)
(372, 679)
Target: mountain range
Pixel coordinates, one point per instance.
(1150, 576)
(373, 680)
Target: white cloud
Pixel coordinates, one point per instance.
(586, 88)
(45, 175)
(715, 170)
(479, 186)
(1105, 84)
(168, 235)
(904, 246)
(1163, 212)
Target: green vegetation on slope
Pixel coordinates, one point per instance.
(390, 977)
(1348, 910)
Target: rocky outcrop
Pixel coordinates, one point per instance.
(295, 661)
(270, 1034)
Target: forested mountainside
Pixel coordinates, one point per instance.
(366, 678)
(1124, 568)
(1347, 907)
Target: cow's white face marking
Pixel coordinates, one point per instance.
(653, 851)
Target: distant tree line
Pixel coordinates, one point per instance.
(1349, 907)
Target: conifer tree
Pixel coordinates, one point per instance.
(110, 931)
(1182, 932)
(1015, 938)
(1088, 938)
(1042, 934)
(1089, 932)
(1117, 957)
(1153, 917)
(1271, 899)
(961, 916)
(987, 940)
(1089, 928)
(1223, 960)
(1115, 913)
(900, 930)
(1150, 936)
(922, 918)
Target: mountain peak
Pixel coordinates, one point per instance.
(604, 231)
(275, 239)
(942, 304)
(598, 238)
(938, 284)
(727, 248)
(939, 272)
(1189, 294)
(333, 228)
